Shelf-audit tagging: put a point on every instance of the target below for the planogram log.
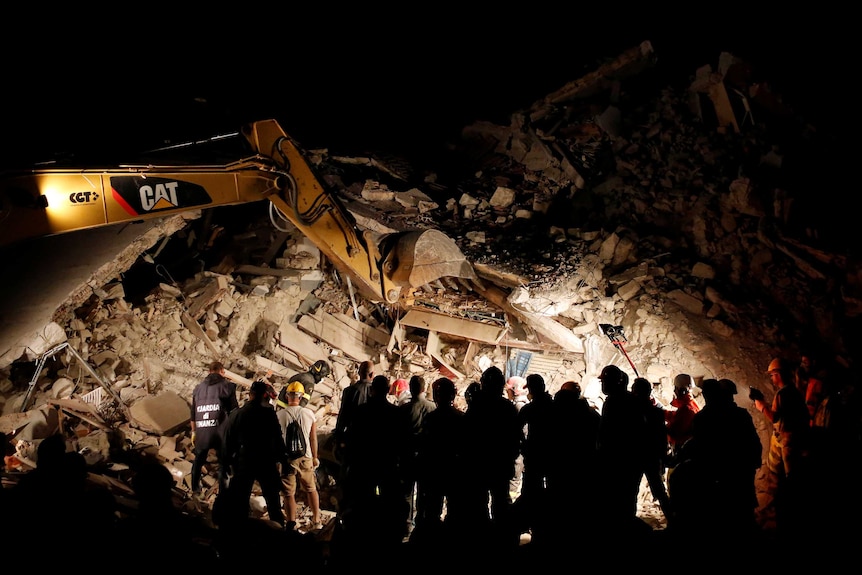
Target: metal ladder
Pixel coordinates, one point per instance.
(40, 364)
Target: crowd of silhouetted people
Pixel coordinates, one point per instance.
(428, 485)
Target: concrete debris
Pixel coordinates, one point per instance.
(586, 209)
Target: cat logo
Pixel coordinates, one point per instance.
(84, 197)
(159, 195)
(139, 195)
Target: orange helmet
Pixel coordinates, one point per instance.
(775, 365)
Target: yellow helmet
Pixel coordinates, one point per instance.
(295, 387)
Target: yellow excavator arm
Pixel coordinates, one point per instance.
(55, 201)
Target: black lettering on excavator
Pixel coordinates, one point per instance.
(145, 195)
(83, 197)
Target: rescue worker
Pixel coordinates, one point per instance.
(622, 442)
(253, 452)
(810, 385)
(300, 471)
(788, 444)
(399, 390)
(318, 370)
(726, 449)
(352, 396)
(679, 417)
(212, 400)
(656, 453)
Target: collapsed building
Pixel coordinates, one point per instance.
(610, 202)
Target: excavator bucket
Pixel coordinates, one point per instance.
(421, 257)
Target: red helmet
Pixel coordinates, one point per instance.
(398, 387)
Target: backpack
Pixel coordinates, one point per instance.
(294, 440)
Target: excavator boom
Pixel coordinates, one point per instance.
(55, 201)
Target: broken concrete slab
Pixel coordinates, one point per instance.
(162, 414)
(302, 347)
(331, 330)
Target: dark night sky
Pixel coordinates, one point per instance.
(409, 80)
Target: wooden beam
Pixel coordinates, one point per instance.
(193, 326)
(465, 328)
(214, 291)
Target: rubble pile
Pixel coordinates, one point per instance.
(598, 205)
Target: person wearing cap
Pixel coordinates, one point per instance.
(212, 400)
(681, 413)
(788, 443)
(300, 470)
(727, 451)
(253, 451)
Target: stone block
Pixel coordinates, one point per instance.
(163, 413)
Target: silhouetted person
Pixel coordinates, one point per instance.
(472, 392)
(352, 396)
(49, 467)
(572, 482)
(441, 479)
(47, 498)
(726, 451)
(157, 512)
(253, 451)
(415, 410)
(494, 439)
(536, 419)
(656, 451)
(374, 444)
(212, 400)
(621, 448)
(836, 456)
